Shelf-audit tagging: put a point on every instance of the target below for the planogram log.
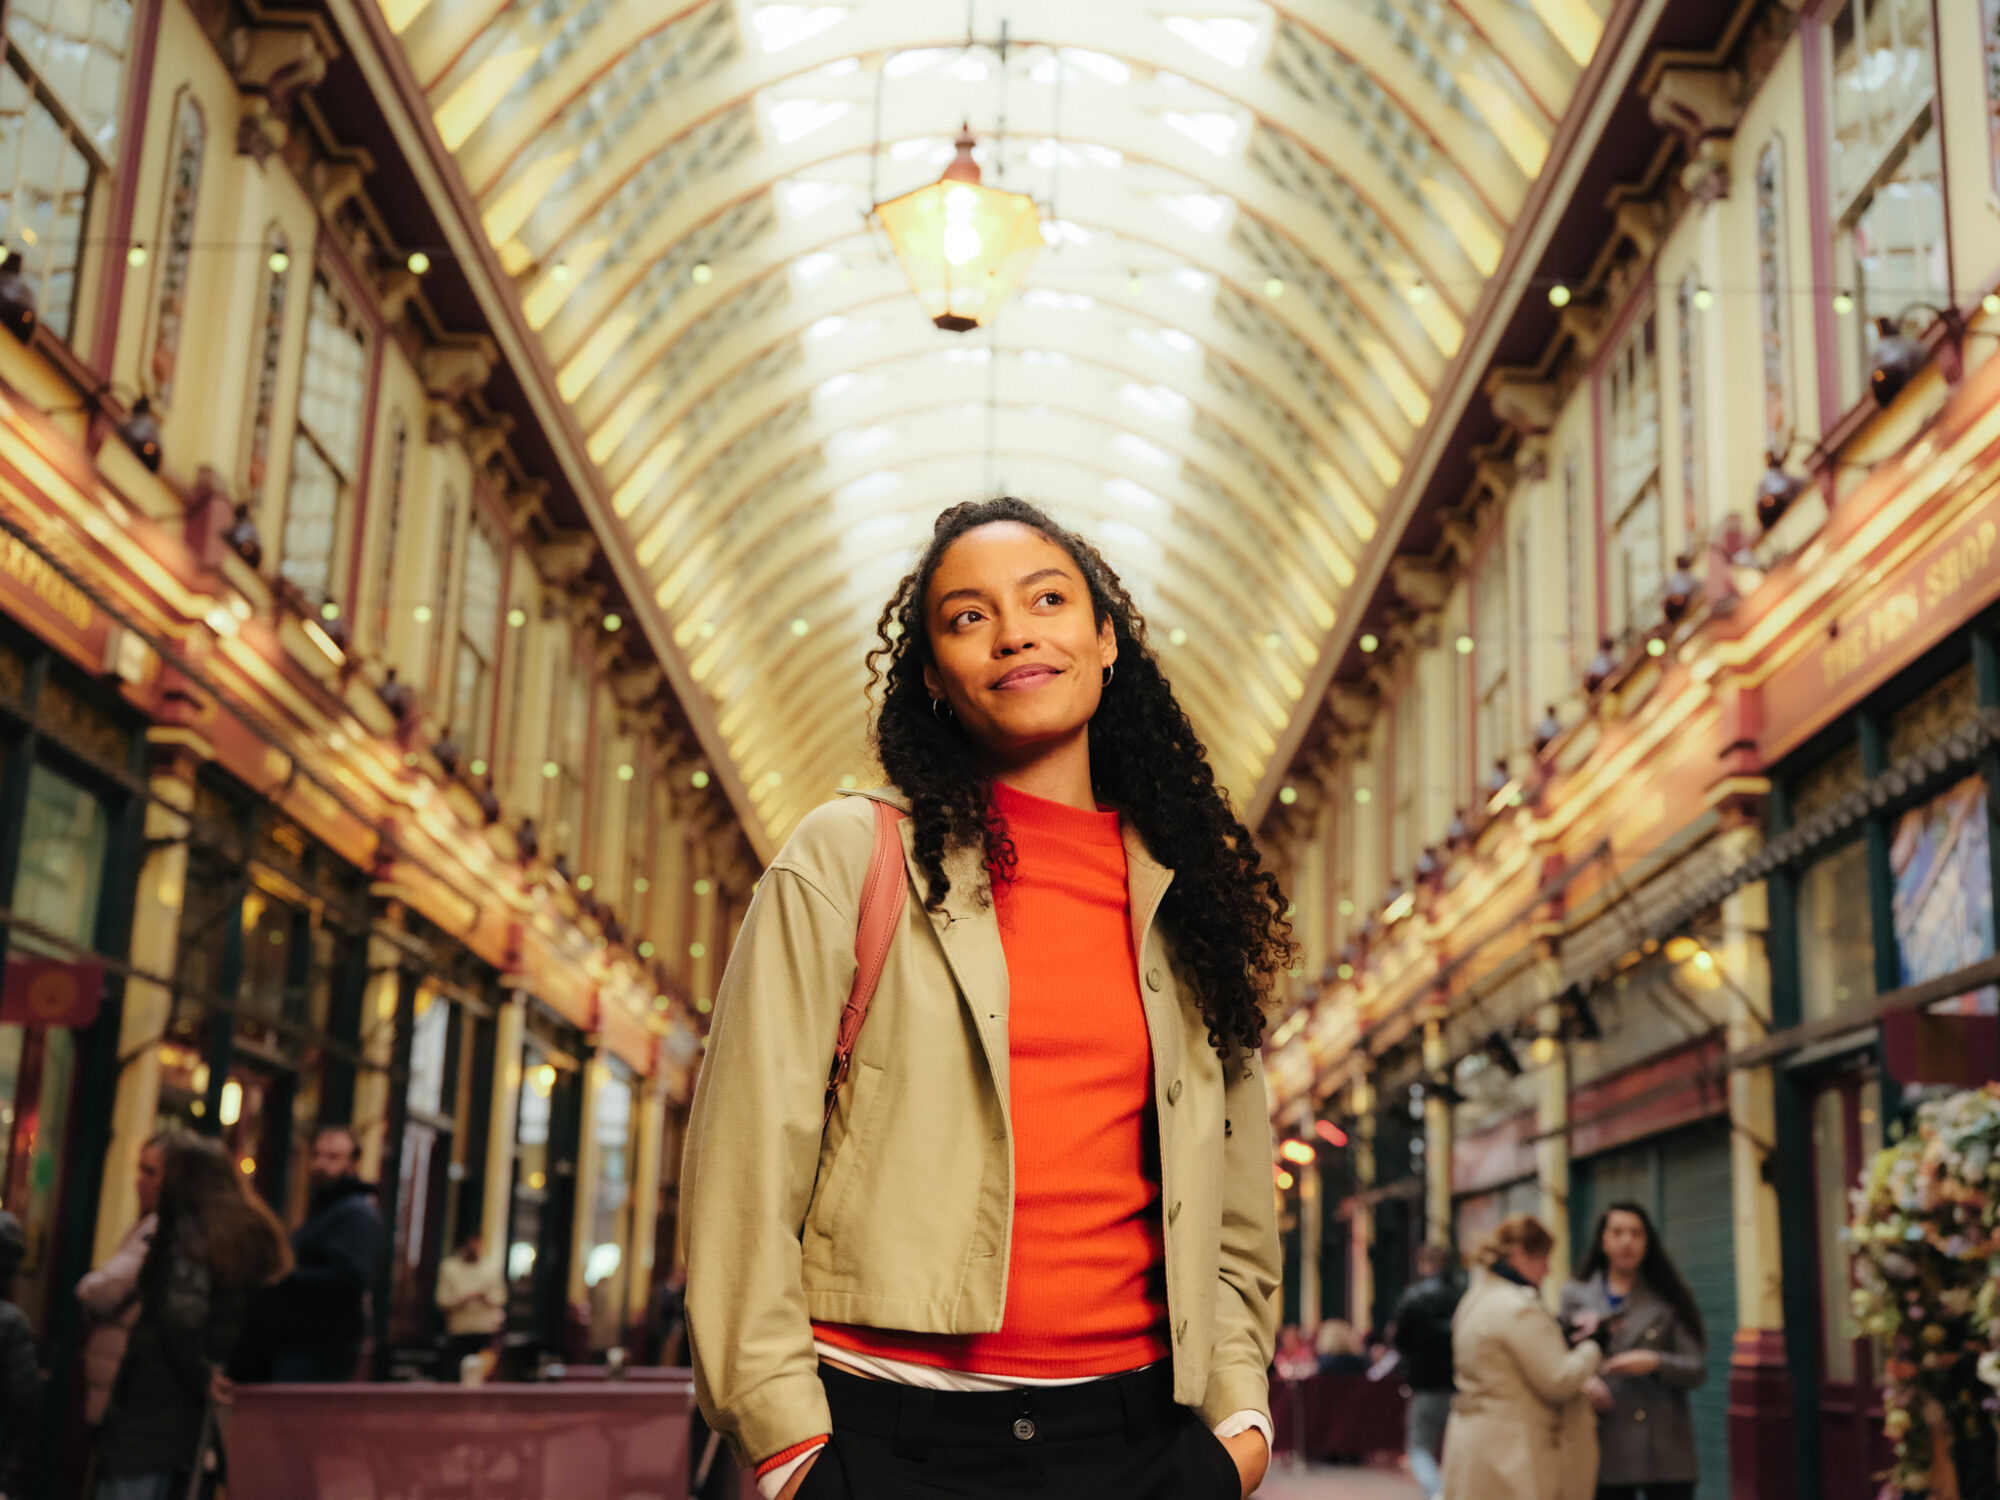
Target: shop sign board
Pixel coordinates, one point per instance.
(51, 992)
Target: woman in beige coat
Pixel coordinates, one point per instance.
(1521, 1424)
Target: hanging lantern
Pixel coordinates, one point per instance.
(964, 246)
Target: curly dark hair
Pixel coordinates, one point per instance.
(1224, 910)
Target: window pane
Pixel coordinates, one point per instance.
(44, 193)
(1836, 951)
(604, 1269)
(470, 713)
(63, 842)
(1882, 78)
(479, 607)
(427, 1053)
(77, 48)
(1830, 1182)
(1942, 867)
(311, 514)
(1638, 567)
(1634, 417)
(335, 381)
(1898, 238)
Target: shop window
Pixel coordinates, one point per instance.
(1687, 374)
(1771, 280)
(1638, 521)
(478, 640)
(176, 246)
(564, 813)
(1836, 1166)
(614, 1119)
(424, 1171)
(62, 84)
(1836, 943)
(531, 1162)
(1934, 715)
(1887, 168)
(1941, 868)
(392, 523)
(326, 451)
(277, 275)
(1489, 602)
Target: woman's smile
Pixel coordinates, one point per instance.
(1032, 675)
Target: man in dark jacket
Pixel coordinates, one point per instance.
(318, 1314)
(1423, 1337)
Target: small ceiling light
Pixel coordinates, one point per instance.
(614, 623)
(329, 611)
(1704, 959)
(1843, 303)
(136, 256)
(1363, 795)
(1990, 303)
(421, 614)
(140, 431)
(1299, 1153)
(702, 887)
(1272, 641)
(703, 273)
(641, 886)
(1703, 299)
(1135, 284)
(1177, 637)
(584, 882)
(963, 245)
(704, 1005)
(1345, 971)
(1656, 647)
(699, 780)
(1284, 1180)
(707, 630)
(1369, 643)
(800, 626)
(1543, 1050)
(279, 262)
(646, 951)
(850, 781)
(418, 262)
(559, 273)
(550, 770)
(1680, 949)
(697, 950)
(479, 768)
(1559, 295)
(625, 772)
(516, 617)
(1346, 907)
(1274, 287)
(1417, 291)
(1463, 645)
(1288, 795)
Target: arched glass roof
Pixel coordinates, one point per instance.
(1266, 225)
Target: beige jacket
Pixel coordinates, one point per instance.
(1520, 1428)
(900, 1216)
(110, 1298)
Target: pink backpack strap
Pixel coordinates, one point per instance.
(882, 902)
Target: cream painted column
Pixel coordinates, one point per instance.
(497, 1201)
(641, 1253)
(589, 1160)
(1361, 1231)
(370, 1119)
(1552, 1162)
(1742, 957)
(156, 931)
(1437, 1140)
(1310, 1209)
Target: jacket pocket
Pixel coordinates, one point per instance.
(830, 1203)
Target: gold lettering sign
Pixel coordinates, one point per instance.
(31, 570)
(1966, 559)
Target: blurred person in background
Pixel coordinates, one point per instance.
(472, 1294)
(1521, 1425)
(20, 1378)
(1339, 1349)
(1629, 1294)
(1295, 1359)
(110, 1294)
(1422, 1335)
(313, 1325)
(214, 1243)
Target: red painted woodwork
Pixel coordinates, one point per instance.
(1760, 1415)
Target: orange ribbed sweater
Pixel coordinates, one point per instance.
(1086, 1277)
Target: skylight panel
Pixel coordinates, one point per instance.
(1227, 39)
(804, 199)
(967, 354)
(1099, 65)
(1129, 492)
(966, 70)
(1208, 212)
(915, 60)
(782, 26)
(1161, 403)
(1048, 297)
(1044, 358)
(844, 447)
(1131, 446)
(1210, 129)
(1064, 232)
(1191, 280)
(1048, 154)
(840, 67)
(1128, 539)
(825, 328)
(917, 147)
(1164, 343)
(868, 487)
(810, 268)
(836, 386)
(795, 119)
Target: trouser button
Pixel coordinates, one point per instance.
(1024, 1429)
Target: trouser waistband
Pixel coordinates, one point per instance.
(1135, 1406)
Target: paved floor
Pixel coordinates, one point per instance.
(1325, 1482)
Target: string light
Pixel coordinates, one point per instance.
(418, 262)
(279, 262)
(1274, 288)
(1369, 643)
(703, 273)
(1559, 295)
(136, 256)
(699, 780)
(421, 614)
(613, 623)
(1463, 645)
(516, 617)
(1288, 795)
(1843, 303)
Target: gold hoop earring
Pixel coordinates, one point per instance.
(1107, 675)
(943, 718)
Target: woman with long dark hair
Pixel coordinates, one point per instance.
(1628, 1295)
(214, 1242)
(1032, 1246)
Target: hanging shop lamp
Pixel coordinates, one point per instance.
(963, 245)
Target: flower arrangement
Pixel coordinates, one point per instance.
(1926, 1240)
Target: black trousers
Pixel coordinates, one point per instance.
(1117, 1439)
(1649, 1491)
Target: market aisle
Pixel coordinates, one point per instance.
(1337, 1482)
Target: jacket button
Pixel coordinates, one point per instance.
(1174, 1092)
(1024, 1429)
(1174, 1212)
(1153, 979)
(1639, 1415)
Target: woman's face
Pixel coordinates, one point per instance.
(1019, 656)
(152, 1162)
(1534, 1269)
(1624, 1241)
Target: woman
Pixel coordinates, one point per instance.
(1033, 1247)
(1629, 1287)
(1339, 1350)
(110, 1294)
(214, 1242)
(1519, 1428)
